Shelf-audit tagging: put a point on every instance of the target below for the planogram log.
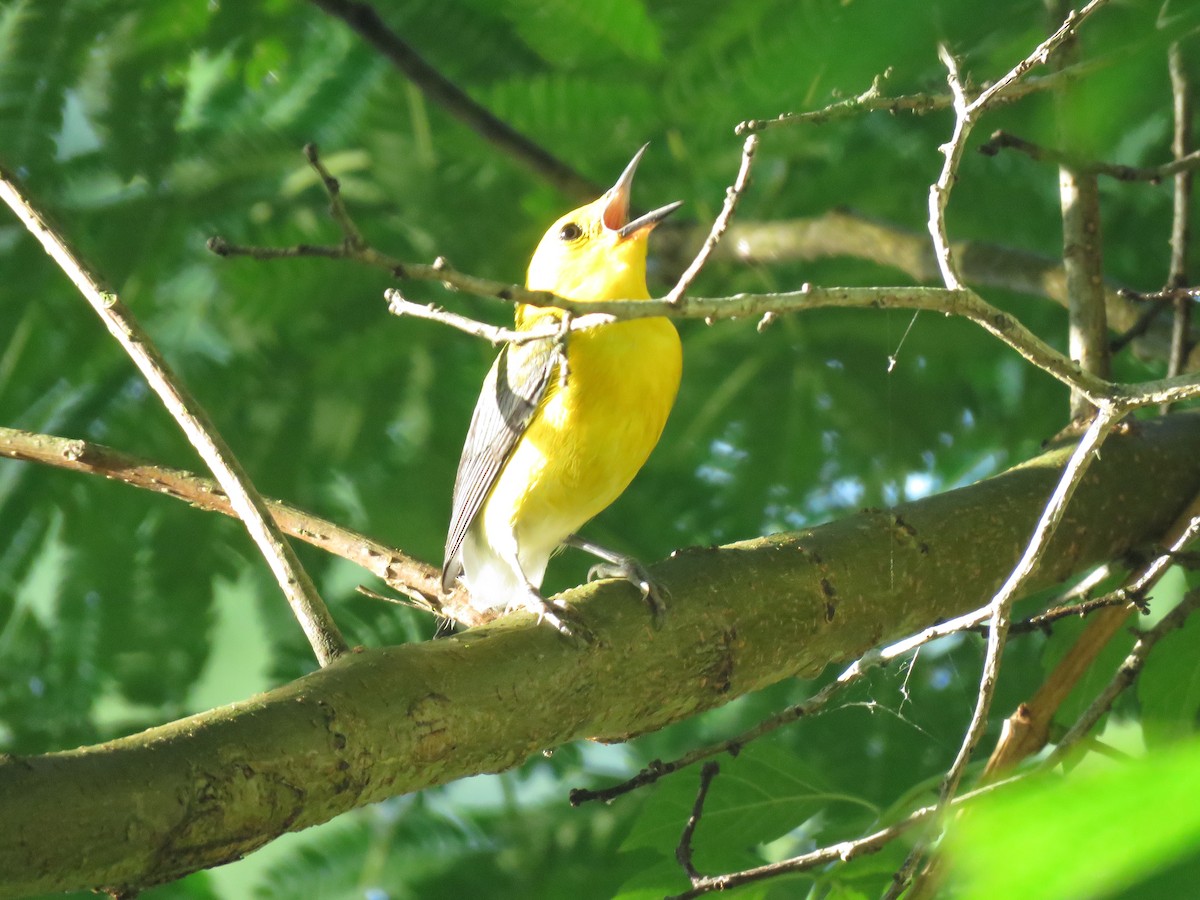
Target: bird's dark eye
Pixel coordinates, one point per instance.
(570, 232)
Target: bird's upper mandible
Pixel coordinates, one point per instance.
(595, 252)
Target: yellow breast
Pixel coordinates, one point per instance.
(591, 435)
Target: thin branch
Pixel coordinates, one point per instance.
(1080, 610)
(364, 20)
(1002, 140)
(839, 233)
(352, 237)
(1106, 417)
(1025, 732)
(398, 305)
(1129, 669)
(658, 769)
(1039, 56)
(1181, 148)
(683, 853)
(939, 191)
(873, 100)
(1079, 200)
(834, 853)
(962, 303)
(965, 114)
(1000, 607)
(414, 579)
(306, 603)
(732, 196)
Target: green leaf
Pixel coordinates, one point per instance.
(1091, 834)
(571, 34)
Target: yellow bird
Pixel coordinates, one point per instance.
(546, 450)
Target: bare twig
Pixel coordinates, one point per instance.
(1026, 730)
(965, 113)
(351, 237)
(415, 579)
(952, 151)
(1043, 621)
(1107, 416)
(840, 233)
(1002, 140)
(658, 769)
(834, 853)
(1179, 293)
(306, 603)
(364, 19)
(873, 100)
(963, 303)
(732, 196)
(398, 305)
(1124, 677)
(683, 853)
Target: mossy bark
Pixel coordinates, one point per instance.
(210, 788)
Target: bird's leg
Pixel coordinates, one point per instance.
(560, 358)
(617, 565)
(557, 614)
(564, 621)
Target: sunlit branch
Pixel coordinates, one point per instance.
(1026, 730)
(720, 224)
(414, 579)
(310, 610)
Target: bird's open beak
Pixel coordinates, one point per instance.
(616, 213)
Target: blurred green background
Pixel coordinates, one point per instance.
(143, 129)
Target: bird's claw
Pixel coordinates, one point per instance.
(565, 621)
(627, 569)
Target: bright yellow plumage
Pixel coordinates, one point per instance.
(544, 455)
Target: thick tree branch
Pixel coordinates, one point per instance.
(374, 724)
(314, 618)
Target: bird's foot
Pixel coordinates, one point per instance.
(626, 568)
(565, 621)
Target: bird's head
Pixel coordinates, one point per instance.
(595, 252)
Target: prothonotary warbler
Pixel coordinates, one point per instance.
(546, 450)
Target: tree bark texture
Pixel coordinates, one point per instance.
(377, 723)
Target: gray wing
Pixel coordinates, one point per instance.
(510, 396)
